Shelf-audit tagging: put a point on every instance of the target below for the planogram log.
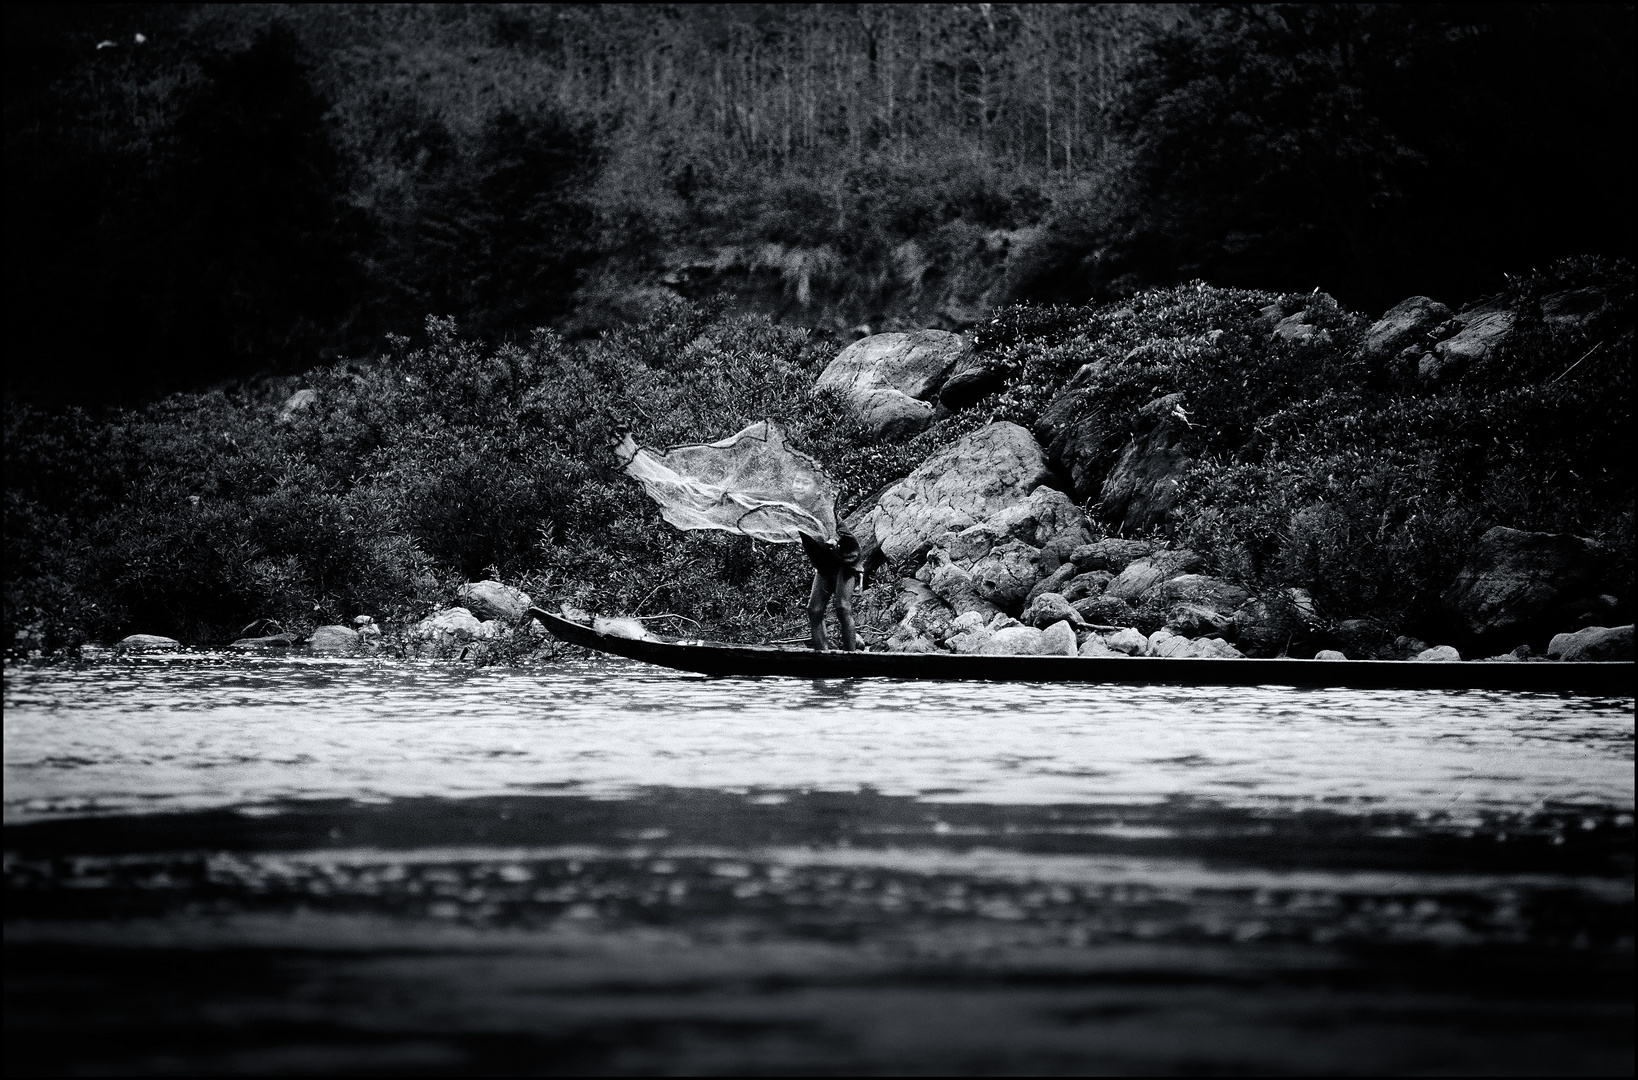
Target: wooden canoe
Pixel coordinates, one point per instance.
(720, 658)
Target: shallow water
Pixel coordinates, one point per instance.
(220, 864)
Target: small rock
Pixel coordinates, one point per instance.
(147, 643)
(333, 639)
(1329, 654)
(1438, 654)
(1593, 643)
(1014, 641)
(1127, 641)
(1094, 645)
(492, 600)
(1049, 608)
(1058, 640)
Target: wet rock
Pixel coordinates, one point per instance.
(1013, 641)
(1514, 581)
(1049, 608)
(1408, 324)
(891, 380)
(1329, 654)
(1112, 554)
(1128, 641)
(1438, 654)
(1058, 639)
(147, 643)
(1006, 575)
(1593, 643)
(1104, 610)
(968, 482)
(492, 600)
(333, 639)
(1142, 489)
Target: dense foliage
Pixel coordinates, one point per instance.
(400, 477)
(258, 188)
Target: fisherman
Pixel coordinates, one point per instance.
(837, 571)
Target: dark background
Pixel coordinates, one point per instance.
(256, 190)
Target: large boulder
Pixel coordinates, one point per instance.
(492, 600)
(1515, 580)
(1593, 643)
(1575, 309)
(1142, 489)
(891, 380)
(1483, 329)
(1104, 610)
(965, 483)
(1055, 582)
(1407, 324)
(1193, 621)
(1082, 586)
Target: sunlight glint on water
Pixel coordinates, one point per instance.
(192, 733)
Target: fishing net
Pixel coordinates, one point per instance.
(750, 483)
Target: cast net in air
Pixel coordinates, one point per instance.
(750, 483)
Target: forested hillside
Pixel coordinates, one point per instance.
(197, 192)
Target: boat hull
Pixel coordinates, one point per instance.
(715, 658)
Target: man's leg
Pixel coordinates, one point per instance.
(846, 582)
(818, 601)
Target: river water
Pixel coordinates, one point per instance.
(359, 865)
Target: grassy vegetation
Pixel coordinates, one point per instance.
(419, 469)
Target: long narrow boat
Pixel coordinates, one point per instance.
(719, 658)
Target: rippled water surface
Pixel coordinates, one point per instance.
(222, 865)
(198, 732)
(194, 733)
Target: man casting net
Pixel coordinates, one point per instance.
(753, 484)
